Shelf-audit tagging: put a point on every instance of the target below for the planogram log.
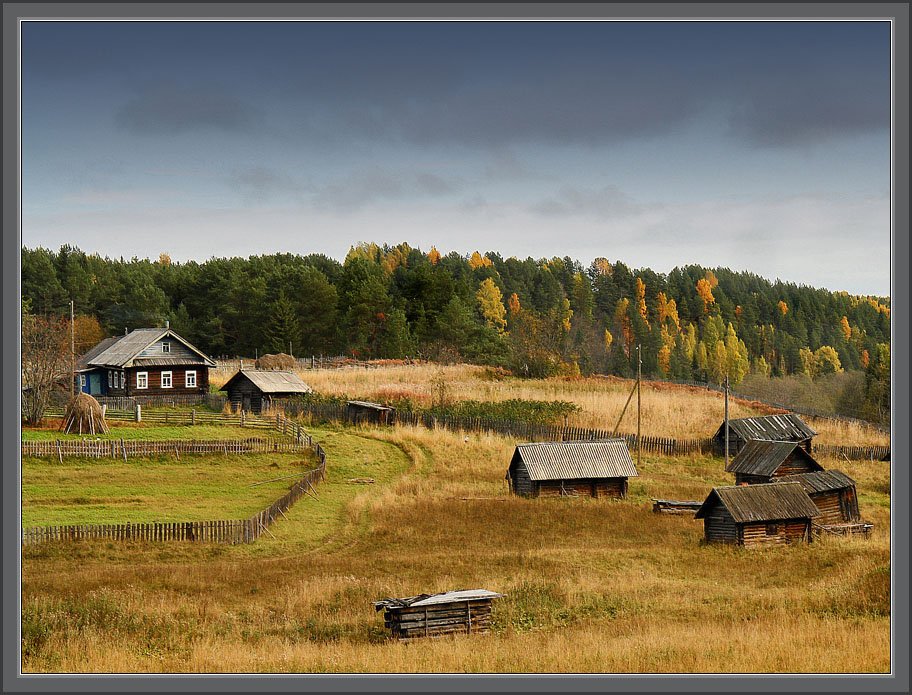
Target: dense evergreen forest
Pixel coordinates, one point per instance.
(536, 317)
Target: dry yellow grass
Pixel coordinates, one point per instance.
(591, 585)
(668, 410)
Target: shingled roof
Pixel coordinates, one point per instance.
(766, 502)
(787, 427)
(83, 362)
(762, 457)
(820, 481)
(606, 458)
(271, 381)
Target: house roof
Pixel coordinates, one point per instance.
(83, 361)
(764, 502)
(433, 599)
(786, 427)
(820, 481)
(606, 458)
(271, 381)
(762, 457)
(122, 351)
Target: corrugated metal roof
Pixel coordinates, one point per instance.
(767, 502)
(84, 360)
(434, 599)
(606, 458)
(787, 427)
(164, 362)
(762, 457)
(272, 381)
(368, 404)
(821, 481)
(122, 352)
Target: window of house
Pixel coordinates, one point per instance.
(166, 380)
(190, 379)
(110, 379)
(142, 380)
(117, 380)
(123, 380)
(82, 379)
(772, 529)
(166, 346)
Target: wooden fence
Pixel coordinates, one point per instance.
(853, 453)
(123, 448)
(221, 531)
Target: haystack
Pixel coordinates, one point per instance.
(84, 415)
(279, 361)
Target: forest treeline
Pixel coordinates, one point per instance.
(536, 317)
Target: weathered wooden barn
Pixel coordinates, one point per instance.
(358, 412)
(753, 515)
(431, 615)
(591, 468)
(762, 461)
(834, 494)
(777, 428)
(144, 362)
(253, 390)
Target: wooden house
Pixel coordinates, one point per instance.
(144, 362)
(754, 515)
(777, 428)
(761, 461)
(431, 615)
(253, 390)
(591, 468)
(358, 412)
(833, 493)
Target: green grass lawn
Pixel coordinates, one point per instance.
(159, 488)
(138, 430)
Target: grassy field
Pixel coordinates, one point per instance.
(668, 410)
(591, 585)
(118, 430)
(157, 488)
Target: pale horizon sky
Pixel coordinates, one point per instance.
(760, 146)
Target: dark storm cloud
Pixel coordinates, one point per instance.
(374, 184)
(608, 201)
(168, 109)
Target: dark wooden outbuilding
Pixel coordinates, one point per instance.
(762, 461)
(777, 428)
(833, 493)
(590, 468)
(358, 412)
(431, 615)
(252, 390)
(754, 515)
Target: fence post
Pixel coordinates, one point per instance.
(138, 412)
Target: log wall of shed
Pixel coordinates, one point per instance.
(178, 379)
(787, 531)
(584, 487)
(795, 463)
(719, 526)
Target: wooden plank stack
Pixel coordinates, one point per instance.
(675, 506)
(452, 612)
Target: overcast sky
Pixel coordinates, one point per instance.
(761, 146)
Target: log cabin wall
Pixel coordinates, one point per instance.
(829, 504)
(720, 527)
(776, 532)
(793, 464)
(584, 487)
(178, 381)
(519, 478)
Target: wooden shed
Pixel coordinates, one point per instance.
(591, 468)
(430, 615)
(754, 515)
(787, 427)
(252, 390)
(833, 492)
(762, 461)
(366, 412)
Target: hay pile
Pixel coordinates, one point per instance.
(84, 415)
(280, 361)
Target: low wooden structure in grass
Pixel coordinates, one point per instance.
(757, 515)
(675, 506)
(432, 615)
(764, 461)
(834, 494)
(787, 427)
(358, 412)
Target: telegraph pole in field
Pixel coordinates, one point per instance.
(726, 421)
(72, 351)
(639, 378)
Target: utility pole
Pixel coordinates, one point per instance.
(639, 377)
(72, 351)
(726, 421)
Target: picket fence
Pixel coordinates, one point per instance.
(124, 448)
(232, 531)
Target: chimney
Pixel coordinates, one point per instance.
(125, 330)
(167, 324)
